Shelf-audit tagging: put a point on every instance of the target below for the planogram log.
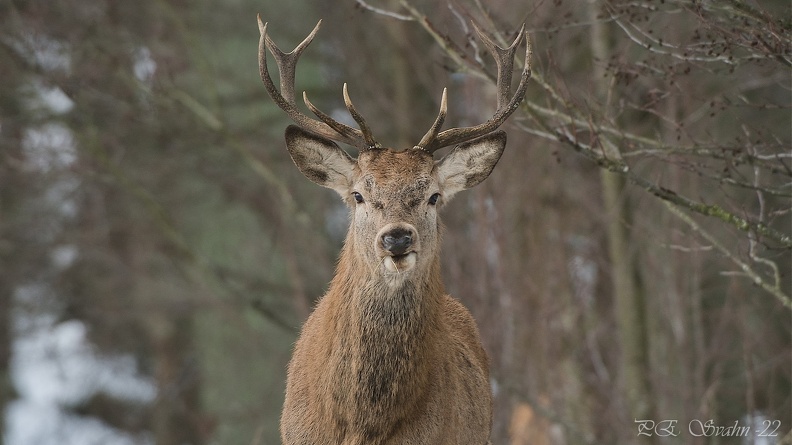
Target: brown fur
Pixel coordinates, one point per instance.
(389, 358)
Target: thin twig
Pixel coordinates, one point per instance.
(757, 279)
(385, 12)
(752, 243)
(460, 58)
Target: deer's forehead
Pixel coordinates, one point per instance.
(406, 172)
(384, 162)
(396, 188)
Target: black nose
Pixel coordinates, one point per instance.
(397, 241)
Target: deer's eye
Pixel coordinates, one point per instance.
(433, 199)
(358, 197)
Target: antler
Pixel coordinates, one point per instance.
(326, 126)
(435, 139)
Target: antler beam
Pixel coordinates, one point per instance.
(435, 139)
(326, 126)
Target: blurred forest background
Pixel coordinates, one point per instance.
(629, 258)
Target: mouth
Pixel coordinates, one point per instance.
(397, 264)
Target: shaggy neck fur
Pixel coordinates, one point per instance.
(385, 328)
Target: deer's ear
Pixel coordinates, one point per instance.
(320, 159)
(470, 163)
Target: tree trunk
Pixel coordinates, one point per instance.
(628, 293)
(177, 413)
(14, 257)
(628, 299)
(402, 88)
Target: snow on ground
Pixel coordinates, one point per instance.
(54, 366)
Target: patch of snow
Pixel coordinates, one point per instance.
(57, 365)
(144, 66)
(63, 256)
(61, 196)
(47, 53)
(31, 423)
(53, 365)
(53, 99)
(49, 146)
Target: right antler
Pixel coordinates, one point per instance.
(287, 63)
(504, 58)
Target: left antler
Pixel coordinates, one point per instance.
(435, 139)
(284, 98)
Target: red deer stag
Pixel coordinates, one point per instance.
(387, 357)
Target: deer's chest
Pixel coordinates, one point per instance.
(386, 367)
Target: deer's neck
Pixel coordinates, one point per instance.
(412, 297)
(387, 330)
(384, 299)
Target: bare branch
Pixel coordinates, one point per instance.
(447, 45)
(562, 134)
(365, 6)
(757, 279)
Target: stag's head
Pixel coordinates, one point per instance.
(393, 195)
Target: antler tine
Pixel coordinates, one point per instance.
(507, 103)
(285, 97)
(287, 62)
(364, 128)
(342, 129)
(504, 60)
(430, 135)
